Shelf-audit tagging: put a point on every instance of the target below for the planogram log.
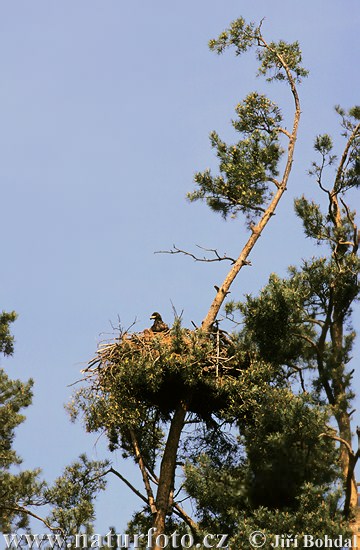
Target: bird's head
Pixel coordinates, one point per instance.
(156, 316)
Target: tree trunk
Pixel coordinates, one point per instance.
(167, 473)
(348, 463)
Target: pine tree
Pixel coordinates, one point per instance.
(23, 495)
(303, 323)
(144, 389)
(18, 488)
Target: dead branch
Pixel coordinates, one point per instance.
(218, 258)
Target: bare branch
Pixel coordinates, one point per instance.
(275, 182)
(285, 132)
(134, 490)
(298, 370)
(217, 258)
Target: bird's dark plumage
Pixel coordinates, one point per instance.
(158, 325)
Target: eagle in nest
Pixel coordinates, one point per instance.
(158, 324)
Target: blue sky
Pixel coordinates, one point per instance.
(105, 114)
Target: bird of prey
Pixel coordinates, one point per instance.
(158, 325)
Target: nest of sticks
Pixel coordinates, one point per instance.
(164, 368)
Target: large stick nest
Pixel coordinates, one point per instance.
(161, 369)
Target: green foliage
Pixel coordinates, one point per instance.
(246, 167)
(286, 472)
(17, 488)
(314, 515)
(285, 450)
(276, 57)
(280, 57)
(348, 172)
(273, 319)
(21, 491)
(285, 322)
(6, 339)
(240, 35)
(219, 492)
(142, 521)
(72, 496)
(315, 223)
(14, 395)
(302, 324)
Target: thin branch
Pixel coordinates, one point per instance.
(275, 182)
(33, 515)
(307, 339)
(217, 258)
(112, 470)
(299, 370)
(187, 519)
(314, 321)
(134, 490)
(341, 440)
(340, 169)
(144, 473)
(351, 221)
(285, 132)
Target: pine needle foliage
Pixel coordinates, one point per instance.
(248, 168)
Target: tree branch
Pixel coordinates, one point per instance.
(144, 473)
(342, 441)
(351, 221)
(134, 490)
(257, 230)
(187, 519)
(275, 182)
(33, 515)
(217, 258)
(343, 159)
(285, 132)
